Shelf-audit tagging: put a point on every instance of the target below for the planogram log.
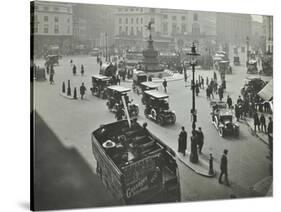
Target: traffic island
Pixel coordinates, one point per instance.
(201, 167)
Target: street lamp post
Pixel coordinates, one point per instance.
(193, 54)
(193, 155)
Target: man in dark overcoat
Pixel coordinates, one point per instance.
(182, 141)
(82, 90)
(223, 167)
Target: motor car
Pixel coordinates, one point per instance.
(115, 95)
(223, 120)
(157, 108)
(99, 85)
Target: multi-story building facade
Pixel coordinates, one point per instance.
(170, 29)
(268, 32)
(257, 36)
(233, 29)
(51, 24)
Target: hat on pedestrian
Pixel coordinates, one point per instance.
(225, 151)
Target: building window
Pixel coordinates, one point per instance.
(36, 7)
(56, 19)
(174, 28)
(46, 8)
(120, 30)
(56, 9)
(141, 20)
(165, 16)
(183, 28)
(195, 17)
(183, 18)
(195, 29)
(174, 18)
(141, 9)
(152, 20)
(126, 20)
(120, 20)
(68, 29)
(132, 20)
(152, 10)
(165, 28)
(132, 9)
(137, 9)
(137, 20)
(132, 31)
(68, 20)
(45, 18)
(56, 30)
(126, 9)
(120, 10)
(46, 28)
(69, 10)
(126, 30)
(35, 28)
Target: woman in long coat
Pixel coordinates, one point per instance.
(182, 141)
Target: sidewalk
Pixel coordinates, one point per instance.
(261, 135)
(201, 168)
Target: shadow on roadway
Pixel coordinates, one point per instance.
(62, 178)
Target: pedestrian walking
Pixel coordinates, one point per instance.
(220, 91)
(193, 145)
(208, 92)
(200, 140)
(202, 82)
(239, 100)
(82, 70)
(207, 81)
(74, 69)
(215, 87)
(82, 90)
(52, 73)
(270, 126)
(263, 123)
(223, 167)
(182, 141)
(165, 85)
(229, 102)
(215, 76)
(256, 121)
(197, 88)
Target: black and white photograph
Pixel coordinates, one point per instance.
(139, 105)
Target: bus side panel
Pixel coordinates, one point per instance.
(107, 171)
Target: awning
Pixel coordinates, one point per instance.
(267, 92)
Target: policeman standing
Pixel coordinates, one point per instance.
(82, 90)
(223, 167)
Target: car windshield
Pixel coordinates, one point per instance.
(226, 118)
